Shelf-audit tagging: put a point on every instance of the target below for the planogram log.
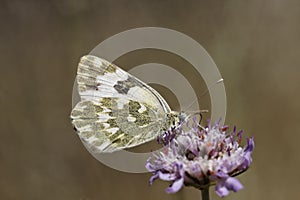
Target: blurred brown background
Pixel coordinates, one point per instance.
(255, 44)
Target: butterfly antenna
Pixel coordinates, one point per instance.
(201, 117)
(204, 92)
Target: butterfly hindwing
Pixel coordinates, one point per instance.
(111, 124)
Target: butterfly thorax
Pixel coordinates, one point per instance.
(175, 118)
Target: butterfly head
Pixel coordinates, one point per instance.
(180, 118)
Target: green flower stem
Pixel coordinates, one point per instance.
(205, 193)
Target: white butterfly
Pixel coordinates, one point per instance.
(117, 110)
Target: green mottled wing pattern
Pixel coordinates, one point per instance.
(109, 128)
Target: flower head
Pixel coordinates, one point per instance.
(201, 157)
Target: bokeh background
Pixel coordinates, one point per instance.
(255, 44)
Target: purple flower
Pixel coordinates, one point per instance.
(202, 157)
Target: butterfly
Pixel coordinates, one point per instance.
(117, 110)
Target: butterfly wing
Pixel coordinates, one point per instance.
(116, 110)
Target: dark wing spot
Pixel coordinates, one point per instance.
(124, 86)
(121, 88)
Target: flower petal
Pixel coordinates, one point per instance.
(233, 184)
(221, 190)
(247, 161)
(166, 176)
(250, 145)
(149, 166)
(176, 186)
(222, 175)
(153, 178)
